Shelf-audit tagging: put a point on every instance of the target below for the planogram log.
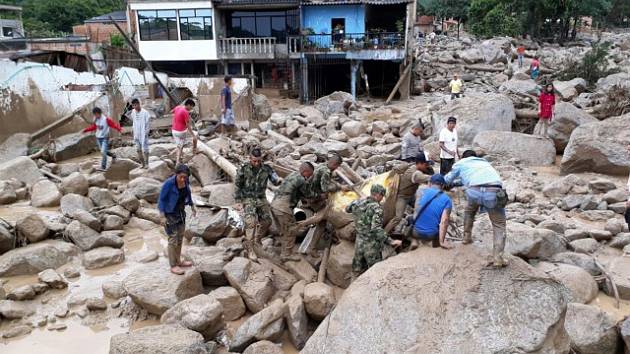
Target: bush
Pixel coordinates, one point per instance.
(592, 67)
(492, 18)
(117, 40)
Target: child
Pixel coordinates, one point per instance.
(101, 126)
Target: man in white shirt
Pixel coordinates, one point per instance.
(448, 146)
(141, 127)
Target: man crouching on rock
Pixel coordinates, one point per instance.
(371, 237)
(174, 197)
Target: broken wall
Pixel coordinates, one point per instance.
(33, 95)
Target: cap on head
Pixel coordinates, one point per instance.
(451, 120)
(421, 158)
(438, 179)
(379, 189)
(181, 168)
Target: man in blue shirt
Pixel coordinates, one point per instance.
(432, 215)
(174, 197)
(483, 184)
(227, 115)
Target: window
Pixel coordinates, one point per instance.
(195, 24)
(278, 24)
(158, 25)
(7, 31)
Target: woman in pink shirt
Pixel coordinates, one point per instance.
(182, 126)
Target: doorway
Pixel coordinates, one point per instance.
(338, 26)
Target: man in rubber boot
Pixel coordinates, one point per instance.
(368, 220)
(174, 197)
(141, 127)
(484, 190)
(410, 179)
(287, 196)
(251, 184)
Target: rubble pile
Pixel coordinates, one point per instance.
(566, 234)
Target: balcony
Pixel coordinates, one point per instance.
(247, 48)
(369, 46)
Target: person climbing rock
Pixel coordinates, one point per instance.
(101, 127)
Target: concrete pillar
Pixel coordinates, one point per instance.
(354, 67)
(242, 68)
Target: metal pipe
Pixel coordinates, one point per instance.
(302, 214)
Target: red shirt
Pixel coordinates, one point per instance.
(547, 101)
(180, 118)
(520, 50)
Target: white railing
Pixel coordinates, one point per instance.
(247, 46)
(293, 44)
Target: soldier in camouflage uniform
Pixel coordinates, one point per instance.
(368, 220)
(321, 183)
(251, 184)
(287, 196)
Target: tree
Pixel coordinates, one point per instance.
(490, 18)
(457, 9)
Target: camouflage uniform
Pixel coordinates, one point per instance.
(410, 179)
(286, 199)
(320, 183)
(251, 184)
(368, 220)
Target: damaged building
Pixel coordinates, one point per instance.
(303, 48)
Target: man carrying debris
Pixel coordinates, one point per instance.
(227, 115)
(456, 86)
(410, 145)
(432, 215)
(101, 127)
(182, 126)
(321, 184)
(251, 184)
(410, 179)
(285, 200)
(483, 191)
(174, 197)
(448, 146)
(368, 220)
(141, 127)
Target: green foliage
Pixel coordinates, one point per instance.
(593, 66)
(447, 8)
(55, 17)
(488, 18)
(117, 40)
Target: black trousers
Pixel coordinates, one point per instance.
(627, 216)
(446, 165)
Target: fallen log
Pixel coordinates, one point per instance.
(279, 137)
(526, 114)
(486, 68)
(351, 173)
(222, 162)
(321, 274)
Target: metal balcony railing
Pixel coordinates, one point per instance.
(338, 42)
(247, 46)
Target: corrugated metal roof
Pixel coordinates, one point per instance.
(118, 16)
(349, 2)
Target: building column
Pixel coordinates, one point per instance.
(293, 71)
(242, 68)
(354, 67)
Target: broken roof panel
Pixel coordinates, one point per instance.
(118, 16)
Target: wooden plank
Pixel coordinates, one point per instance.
(398, 84)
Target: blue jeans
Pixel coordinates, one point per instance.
(486, 200)
(520, 61)
(103, 146)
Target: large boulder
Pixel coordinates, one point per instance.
(7, 239)
(119, 169)
(101, 197)
(523, 240)
(221, 194)
(620, 79)
(71, 203)
(599, 146)
(263, 325)
(526, 308)
(476, 114)
(297, 321)
(566, 118)
(337, 102)
(581, 260)
(204, 170)
(145, 188)
(22, 168)
(251, 280)
(74, 145)
(87, 238)
(37, 257)
(619, 270)
(569, 90)
(201, 313)
(14, 146)
(156, 289)
(102, 257)
(592, 331)
(264, 347)
(529, 149)
(33, 228)
(340, 264)
(528, 87)
(494, 50)
(471, 56)
(45, 194)
(582, 285)
(157, 170)
(76, 183)
(8, 194)
(162, 339)
(319, 300)
(233, 305)
(262, 108)
(209, 261)
(209, 225)
(354, 128)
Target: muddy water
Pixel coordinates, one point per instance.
(609, 305)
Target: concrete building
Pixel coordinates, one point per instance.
(99, 29)
(11, 29)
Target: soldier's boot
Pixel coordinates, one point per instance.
(468, 226)
(248, 244)
(287, 250)
(261, 231)
(141, 158)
